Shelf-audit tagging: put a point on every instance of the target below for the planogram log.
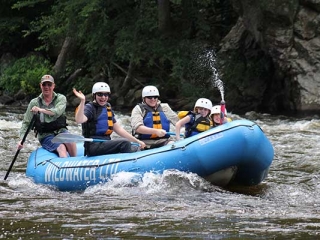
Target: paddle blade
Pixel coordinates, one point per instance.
(67, 138)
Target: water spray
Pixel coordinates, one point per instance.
(216, 81)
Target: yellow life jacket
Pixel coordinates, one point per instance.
(89, 128)
(154, 118)
(182, 114)
(204, 125)
(229, 119)
(197, 124)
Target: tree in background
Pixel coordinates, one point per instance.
(127, 43)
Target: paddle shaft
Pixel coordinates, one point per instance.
(173, 134)
(103, 140)
(22, 141)
(68, 138)
(95, 140)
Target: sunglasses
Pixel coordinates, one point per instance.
(201, 108)
(49, 84)
(152, 97)
(100, 94)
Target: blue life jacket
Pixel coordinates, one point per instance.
(102, 122)
(154, 118)
(197, 124)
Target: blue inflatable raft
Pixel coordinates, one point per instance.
(233, 153)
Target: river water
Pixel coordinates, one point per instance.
(174, 205)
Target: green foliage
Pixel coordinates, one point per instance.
(15, 20)
(25, 74)
(84, 84)
(123, 32)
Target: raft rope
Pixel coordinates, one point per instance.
(135, 159)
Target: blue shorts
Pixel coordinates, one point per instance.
(48, 145)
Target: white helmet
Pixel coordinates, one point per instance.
(203, 102)
(100, 87)
(149, 91)
(217, 110)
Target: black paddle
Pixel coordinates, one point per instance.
(18, 150)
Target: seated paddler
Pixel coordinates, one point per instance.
(151, 119)
(99, 122)
(195, 121)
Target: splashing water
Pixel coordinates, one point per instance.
(216, 81)
(219, 84)
(203, 68)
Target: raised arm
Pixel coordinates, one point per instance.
(79, 116)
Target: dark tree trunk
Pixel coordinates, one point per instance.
(60, 64)
(128, 81)
(164, 16)
(74, 76)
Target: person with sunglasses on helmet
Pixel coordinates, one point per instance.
(99, 122)
(151, 119)
(50, 119)
(196, 121)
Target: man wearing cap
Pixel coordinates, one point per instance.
(49, 108)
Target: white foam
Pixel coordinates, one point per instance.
(4, 124)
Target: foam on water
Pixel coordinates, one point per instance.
(5, 125)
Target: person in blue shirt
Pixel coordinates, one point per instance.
(99, 122)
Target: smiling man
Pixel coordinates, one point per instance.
(49, 109)
(151, 119)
